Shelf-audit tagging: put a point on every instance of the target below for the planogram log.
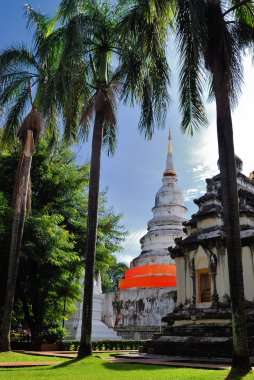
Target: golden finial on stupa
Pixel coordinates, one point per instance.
(169, 166)
(170, 142)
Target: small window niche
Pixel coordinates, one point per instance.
(204, 286)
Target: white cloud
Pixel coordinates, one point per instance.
(131, 246)
(203, 171)
(191, 191)
(191, 194)
(205, 152)
(123, 258)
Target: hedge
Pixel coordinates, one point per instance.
(73, 345)
(107, 345)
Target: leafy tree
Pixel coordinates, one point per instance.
(111, 277)
(52, 251)
(101, 64)
(20, 205)
(25, 78)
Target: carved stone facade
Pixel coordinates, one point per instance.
(201, 322)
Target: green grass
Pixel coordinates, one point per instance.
(17, 357)
(97, 369)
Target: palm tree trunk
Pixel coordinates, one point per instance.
(240, 356)
(16, 239)
(85, 348)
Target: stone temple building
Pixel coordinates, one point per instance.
(147, 293)
(201, 322)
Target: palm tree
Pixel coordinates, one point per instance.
(25, 78)
(211, 38)
(100, 66)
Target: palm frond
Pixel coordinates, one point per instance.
(88, 111)
(146, 20)
(18, 56)
(244, 35)
(235, 71)
(10, 92)
(50, 48)
(146, 123)
(69, 8)
(83, 132)
(11, 76)
(52, 132)
(110, 138)
(190, 26)
(110, 115)
(129, 70)
(13, 121)
(72, 109)
(242, 12)
(42, 24)
(42, 27)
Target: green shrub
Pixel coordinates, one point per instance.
(107, 345)
(53, 334)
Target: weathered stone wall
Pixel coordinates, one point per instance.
(136, 313)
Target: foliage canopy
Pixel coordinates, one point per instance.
(52, 252)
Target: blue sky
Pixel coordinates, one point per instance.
(133, 175)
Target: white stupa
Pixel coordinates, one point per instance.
(169, 213)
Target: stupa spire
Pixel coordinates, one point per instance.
(169, 165)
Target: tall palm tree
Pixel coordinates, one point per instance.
(25, 79)
(100, 66)
(211, 38)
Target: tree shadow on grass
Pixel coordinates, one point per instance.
(108, 365)
(66, 364)
(132, 366)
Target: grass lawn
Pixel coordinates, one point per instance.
(16, 357)
(96, 369)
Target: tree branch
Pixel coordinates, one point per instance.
(241, 3)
